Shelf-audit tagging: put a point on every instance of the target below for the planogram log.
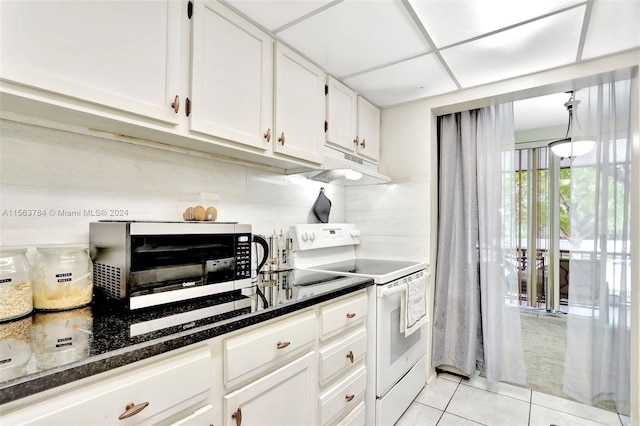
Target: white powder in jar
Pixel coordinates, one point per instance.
(15, 299)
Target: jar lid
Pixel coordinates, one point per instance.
(63, 247)
(12, 250)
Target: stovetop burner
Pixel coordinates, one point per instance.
(331, 248)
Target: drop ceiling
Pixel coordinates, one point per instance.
(395, 51)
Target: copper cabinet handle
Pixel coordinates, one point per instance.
(237, 416)
(131, 410)
(349, 397)
(350, 356)
(267, 135)
(282, 345)
(351, 315)
(356, 140)
(281, 138)
(363, 143)
(176, 104)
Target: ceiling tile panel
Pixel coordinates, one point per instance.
(405, 81)
(540, 112)
(356, 35)
(537, 46)
(614, 26)
(449, 22)
(273, 14)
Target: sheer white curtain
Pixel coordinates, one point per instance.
(501, 332)
(598, 324)
(476, 319)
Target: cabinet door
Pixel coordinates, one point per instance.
(123, 55)
(284, 397)
(368, 130)
(300, 106)
(342, 116)
(231, 77)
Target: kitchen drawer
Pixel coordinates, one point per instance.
(341, 315)
(343, 397)
(200, 417)
(167, 387)
(341, 355)
(355, 418)
(253, 352)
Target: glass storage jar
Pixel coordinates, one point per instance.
(15, 348)
(62, 278)
(16, 296)
(61, 337)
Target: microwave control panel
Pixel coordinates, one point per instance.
(243, 256)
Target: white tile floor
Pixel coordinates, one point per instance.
(451, 400)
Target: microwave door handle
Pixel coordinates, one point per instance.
(388, 291)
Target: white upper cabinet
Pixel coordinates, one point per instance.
(353, 122)
(123, 55)
(368, 130)
(342, 115)
(300, 106)
(231, 77)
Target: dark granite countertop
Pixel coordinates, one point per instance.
(50, 349)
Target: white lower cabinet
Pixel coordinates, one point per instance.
(343, 396)
(148, 394)
(299, 369)
(305, 368)
(283, 397)
(342, 374)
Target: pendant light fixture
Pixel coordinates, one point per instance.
(571, 146)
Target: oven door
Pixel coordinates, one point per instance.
(396, 353)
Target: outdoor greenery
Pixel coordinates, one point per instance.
(578, 191)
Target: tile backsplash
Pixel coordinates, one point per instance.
(54, 183)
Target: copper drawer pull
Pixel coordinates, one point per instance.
(131, 410)
(176, 104)
(237, 416)
(282, 345)
(281, 138)
(356, 141)
(267, 135)
(349, 397)
(351, 315)
(350, 356)
(363, 143)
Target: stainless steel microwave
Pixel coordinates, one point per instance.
(145, 264)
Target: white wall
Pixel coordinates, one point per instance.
(54, 170)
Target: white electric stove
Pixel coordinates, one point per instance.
(396, 370)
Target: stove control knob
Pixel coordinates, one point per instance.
(312, 236)
(304, 236)
(355, 233)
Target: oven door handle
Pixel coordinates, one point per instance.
(388, 291)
